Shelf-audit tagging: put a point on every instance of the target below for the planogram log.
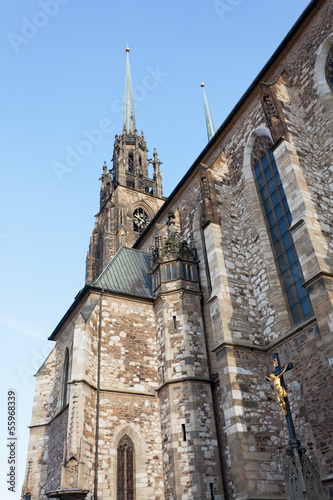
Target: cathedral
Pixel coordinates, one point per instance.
(164, 382)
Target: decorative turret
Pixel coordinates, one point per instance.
(106, 187)
(172, 259)
(184, 384)
(209, 121)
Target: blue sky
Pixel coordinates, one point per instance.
(63, 75)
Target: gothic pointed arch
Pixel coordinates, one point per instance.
(127, 443)
(125, 469)
(264, 249)
(278, 220)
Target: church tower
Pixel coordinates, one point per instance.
(128, 198)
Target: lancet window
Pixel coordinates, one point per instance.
(131, 162)
(278, 218)
(66, 375)
(125, 469)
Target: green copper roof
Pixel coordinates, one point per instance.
(129, 118)
(209, 121)
(127, 272)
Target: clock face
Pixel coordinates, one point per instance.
(140, 220)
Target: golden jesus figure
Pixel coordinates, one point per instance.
(280, 391)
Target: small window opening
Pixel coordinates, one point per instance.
(187, 271)
(66, 379)
(174, 322)
(130, 162)
(184, 432)
(211, 491)
(171, 271)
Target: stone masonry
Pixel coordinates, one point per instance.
(171, 348)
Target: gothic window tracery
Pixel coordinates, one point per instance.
(329, 69)
(278, 219)
(125, 469)
(131, 162)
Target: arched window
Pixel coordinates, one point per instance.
(66, 369)
(278, 219)
(125, 469)
(329, 69)
(130, 162)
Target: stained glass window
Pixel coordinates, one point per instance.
(125, 469)
(278, 219)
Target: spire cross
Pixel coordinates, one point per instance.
(283, 397)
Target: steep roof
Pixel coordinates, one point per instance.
(127, 273)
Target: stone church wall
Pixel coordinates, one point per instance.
(128, 402)
(49, 423)
(244, 316)
(249, 308)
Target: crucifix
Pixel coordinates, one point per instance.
(277, 378)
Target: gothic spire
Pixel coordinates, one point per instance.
(209, 121)
(129, 118)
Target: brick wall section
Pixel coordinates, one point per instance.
(128, 382)
(190, 448)
(309, 387)
(46, 443)
(57, 436)
(252, 424)
(116, 411)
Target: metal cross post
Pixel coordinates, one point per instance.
(289, 419)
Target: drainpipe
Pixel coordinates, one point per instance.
(98, 395)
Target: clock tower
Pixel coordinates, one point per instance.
(128, 198)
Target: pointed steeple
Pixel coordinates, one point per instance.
(209, 121)
(129, 118)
